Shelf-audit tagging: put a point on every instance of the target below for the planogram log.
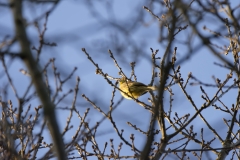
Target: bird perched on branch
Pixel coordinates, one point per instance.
(133, 89)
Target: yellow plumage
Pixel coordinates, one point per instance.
(133, 89)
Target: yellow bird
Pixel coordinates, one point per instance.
(133, 89)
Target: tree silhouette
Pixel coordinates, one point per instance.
(178, 123)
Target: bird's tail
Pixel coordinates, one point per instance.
(153, 88)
